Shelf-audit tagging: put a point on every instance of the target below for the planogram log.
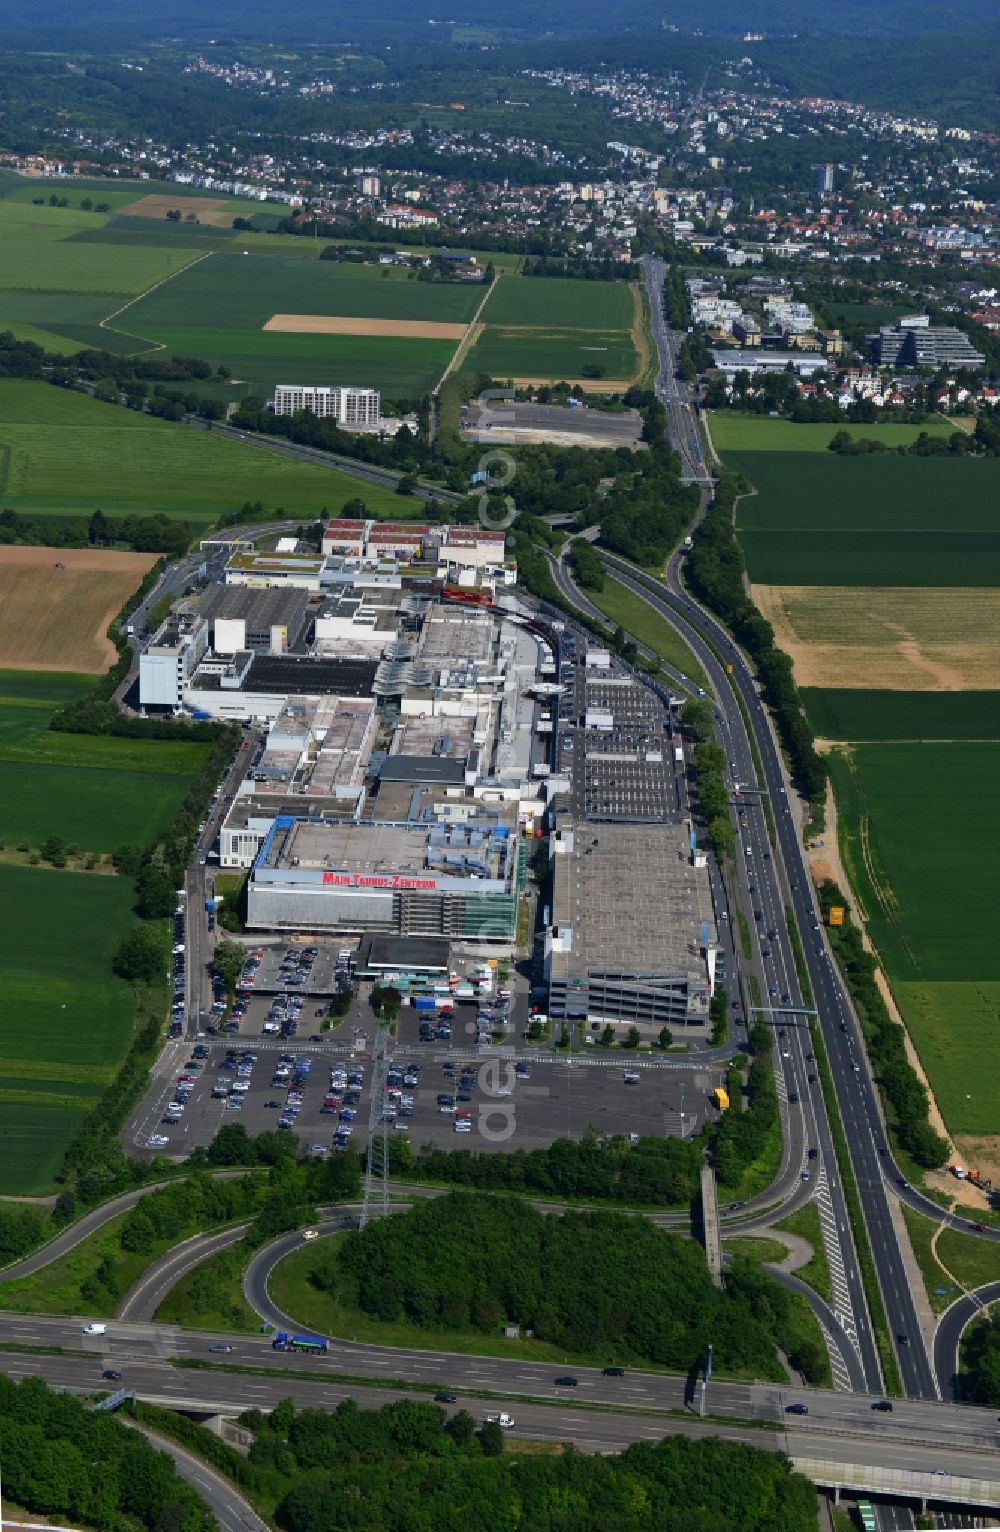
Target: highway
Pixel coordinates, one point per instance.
(838, 1427)
(786, 875)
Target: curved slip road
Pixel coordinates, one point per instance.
(75, 1233)
(951, 1327)
(231, 1509)
(145, 1295)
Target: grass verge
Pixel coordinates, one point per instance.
(745, 942)
(805, 1223)
(798, 955)
(866, 1265)
(956, 1262)
(640, 621)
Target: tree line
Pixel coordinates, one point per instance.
(142, 534)
(714, 569)
(655, 1172)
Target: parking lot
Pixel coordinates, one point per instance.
(501, 1100)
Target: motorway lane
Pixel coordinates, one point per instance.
(143, 1354)
(859, 1105)
(794, 1048)
(682, 420)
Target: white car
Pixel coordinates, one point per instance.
(157, 1140)
(311, 1233)
(95, 1329)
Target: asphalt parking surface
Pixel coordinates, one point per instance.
(559, 1097)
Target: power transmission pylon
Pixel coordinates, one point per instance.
(376, 1203)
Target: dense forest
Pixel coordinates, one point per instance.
(604, 1285)
(61, 1460)
(410, 1465)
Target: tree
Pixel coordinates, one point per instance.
(696, 717)
(608, 1036)
(53, 849)
(227, 961)
(232, 1145)
(461, 1427)
(141, 956)
(666, 1038)
(385, 1001)
(156, 895)
(632, 1038)
(491, 1439)
(99, 532)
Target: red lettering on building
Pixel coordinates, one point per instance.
(374, 880)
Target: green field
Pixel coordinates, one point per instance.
(231, 291)
(923, 849)
(219, 308)
(400, 367)
(845, 713)
(96, 809)
(559, 303)
(28, 698)
(827, 520)
(909, 496)
(733, 432)
(956, 1030)
(921, 846)
(117, 193)
(69, 454)
(552, 353)
(48, 266)
(931, 559)
(18, 221)
(65, 1022)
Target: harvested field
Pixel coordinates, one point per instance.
(588, 385)
(217, 211)
(889, 638)
(56, 604)
(332, 324)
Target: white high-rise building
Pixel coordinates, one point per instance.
(347, 406)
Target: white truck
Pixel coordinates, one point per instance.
(501, 1419)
